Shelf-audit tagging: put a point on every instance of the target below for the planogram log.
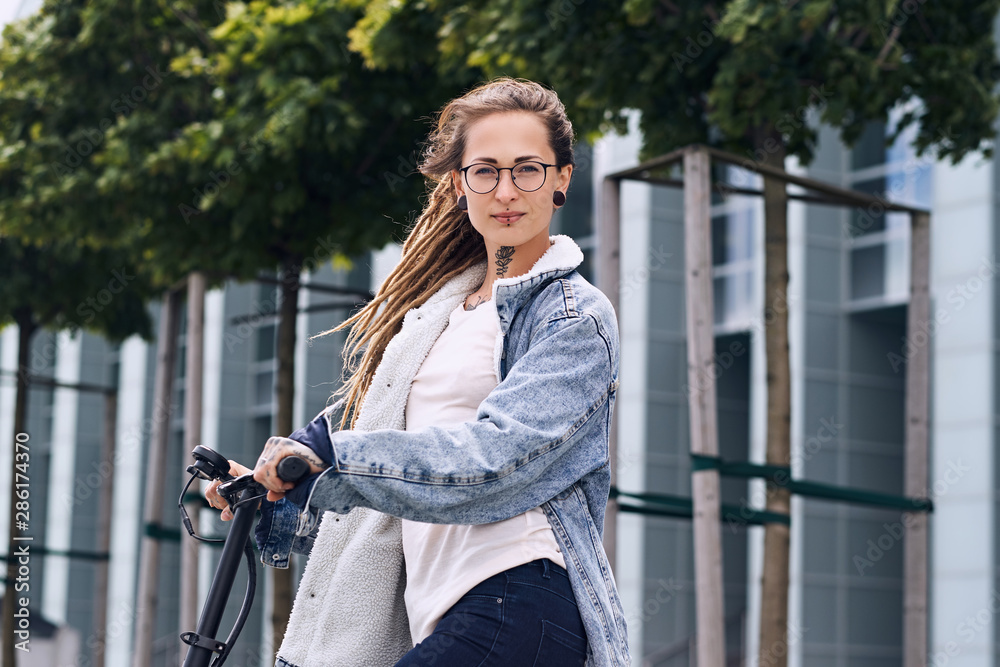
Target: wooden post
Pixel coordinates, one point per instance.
(608, 277)
(192, 438)
(917, 394)
(282, 584)
(104, 527)
(701, 405)
(149, 564)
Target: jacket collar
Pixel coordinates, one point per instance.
(562, 257)
(385, 401)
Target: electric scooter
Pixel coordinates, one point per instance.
(242, 494)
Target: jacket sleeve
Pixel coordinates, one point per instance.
(524, 448)
(275, 530)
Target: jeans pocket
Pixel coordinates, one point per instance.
(559, 647)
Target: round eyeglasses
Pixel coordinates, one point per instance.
(483, 178)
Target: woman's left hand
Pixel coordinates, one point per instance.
(266, 472)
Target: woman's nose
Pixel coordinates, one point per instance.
(506, 190)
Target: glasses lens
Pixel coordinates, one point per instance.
(481, 178)
(529, 176)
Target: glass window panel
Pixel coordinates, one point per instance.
(874, 618)
(261, 431)
(870, 148)
(265, 342)
(732, 237)
(897, 267)
(264, 386)
(867, 272)
(819, 614)
(865, 221)
(733, 299)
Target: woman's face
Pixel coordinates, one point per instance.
(509, 216)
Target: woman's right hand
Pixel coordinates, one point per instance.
(212, 492)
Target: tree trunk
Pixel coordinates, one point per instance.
(149, 566)
(192, 437)
(281, 590)
(26, 330)
(104, 528)
(773, 649)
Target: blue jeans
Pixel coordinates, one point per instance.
(523, 617)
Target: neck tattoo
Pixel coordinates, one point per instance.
(504, 256)
(479, 300)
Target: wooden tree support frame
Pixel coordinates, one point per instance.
(697, 161)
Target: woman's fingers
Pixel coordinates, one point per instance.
(212, 491)
(266, 472)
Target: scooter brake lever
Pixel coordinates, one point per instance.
(231, 490)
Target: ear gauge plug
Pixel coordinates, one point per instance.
(558, 198)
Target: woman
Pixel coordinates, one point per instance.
(479, 416)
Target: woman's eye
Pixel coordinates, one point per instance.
(484, 171)
(528, 169)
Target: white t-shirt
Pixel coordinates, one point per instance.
(443, 562)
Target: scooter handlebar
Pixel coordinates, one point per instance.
(292, 469)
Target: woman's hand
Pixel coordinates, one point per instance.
(266, 472)
(212, 493)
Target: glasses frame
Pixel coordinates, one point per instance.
(513, 179)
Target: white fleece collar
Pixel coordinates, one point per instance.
(385, 403)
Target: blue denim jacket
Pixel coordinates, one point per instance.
(540, 439)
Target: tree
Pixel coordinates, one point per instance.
(57, 286)
(302, 149)
(261, 143)
(745, 75)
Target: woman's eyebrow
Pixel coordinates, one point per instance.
(517, 159)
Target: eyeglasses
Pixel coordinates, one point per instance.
(483, 178)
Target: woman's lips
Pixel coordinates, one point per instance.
(508, 218)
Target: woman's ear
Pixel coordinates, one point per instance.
(456, 181)
(565, 175)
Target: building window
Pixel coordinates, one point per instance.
(879, 241)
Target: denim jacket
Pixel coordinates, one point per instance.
(540, 437)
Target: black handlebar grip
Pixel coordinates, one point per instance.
(292, 469)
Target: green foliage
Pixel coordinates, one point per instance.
(198, 135)
(65, 285)
(261, 139)
(305, 151)
(739, 74)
